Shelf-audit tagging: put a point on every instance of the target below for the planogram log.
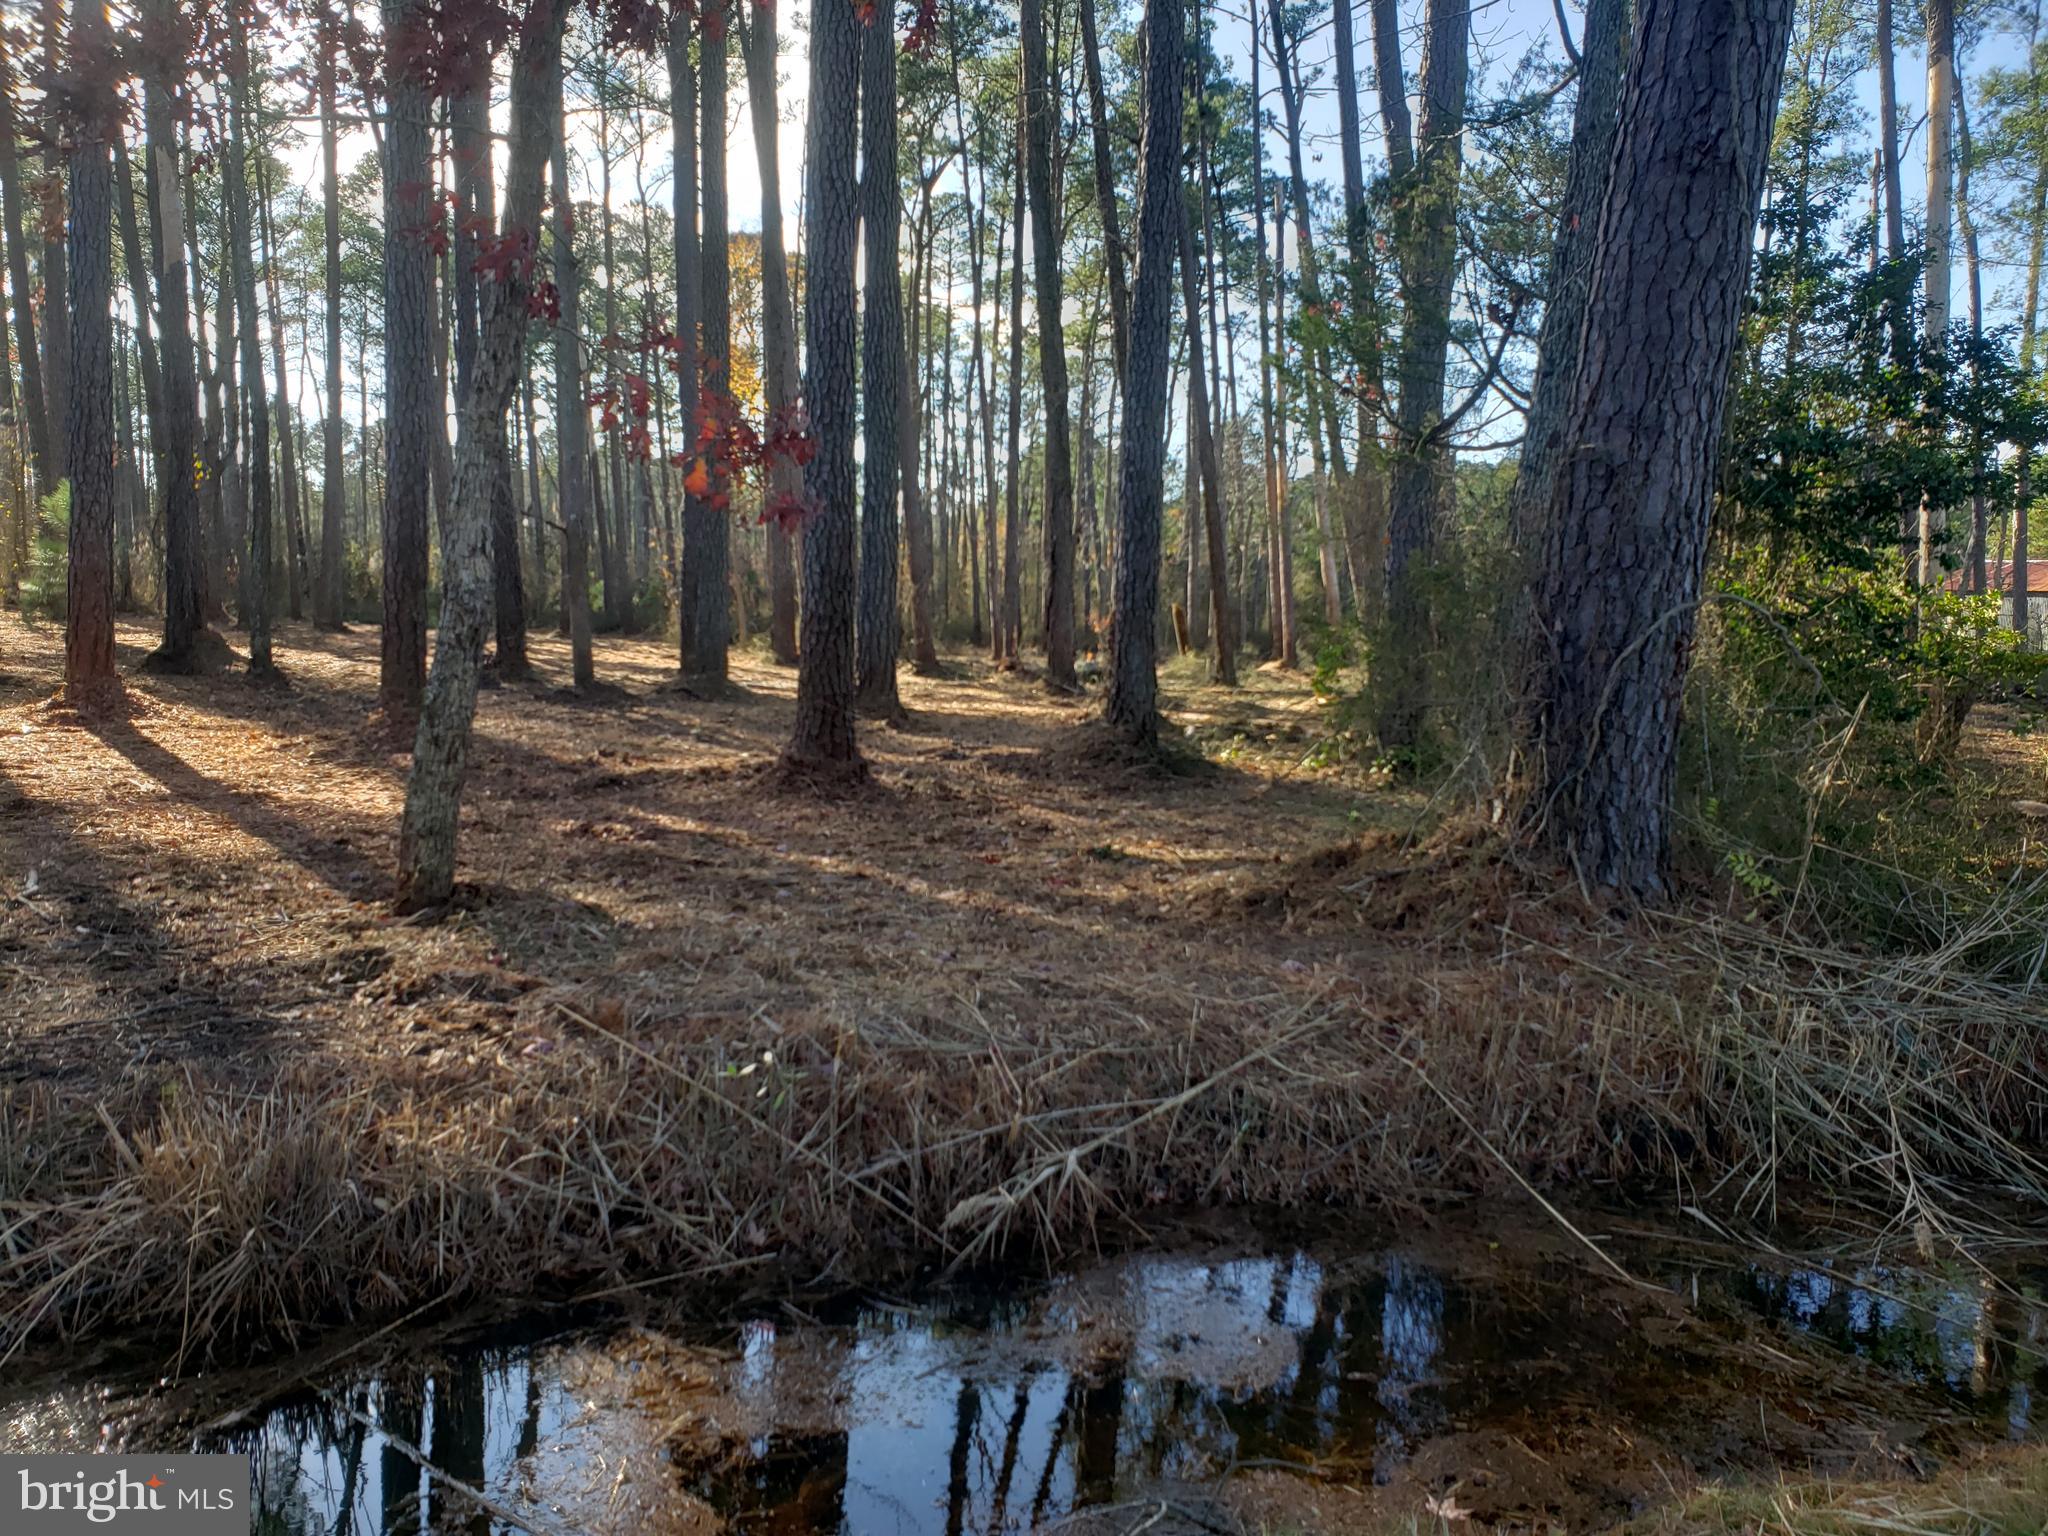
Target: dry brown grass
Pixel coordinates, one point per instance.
(686, 1022)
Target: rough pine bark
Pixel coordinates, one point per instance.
(242, 267)
(433, 791)
(410, 407)
(1602, 53)
(327, 593)
(823, 741)
(89, 380)
(186, 643)
(711, 561)
(572, 415)
(1427, 238)
(879, 635)
(1133, 705)
(682, 89)
(1616, 596)
(1039, 110)
(778, 322)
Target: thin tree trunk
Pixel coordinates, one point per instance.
(917, 523)
(1616, 597)
(1966, 225)
(682, 85)
(35, 398)
(328, 597)
(1105, 192)
(57, 302)
(1889, 164)
(572, 415)
(176, 429)
(1013, 596)
(1941, 47)
(778, 325)
(433, 792)
(1052, 351)
(411, 409)
(1133, 704)
(89, 440)
(1203, 446)
(1427, 238)
(711, 562)
(878, 636)
(288, 452)
(823, 738)
(242, 241)
(1282, 579)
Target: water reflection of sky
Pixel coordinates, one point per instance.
(1971, 1335)
(972, 1415)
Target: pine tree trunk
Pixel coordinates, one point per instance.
(711, 561)
(1203, 447)
(1934, 322)
(1615, 600)
(242, 263)
(778, 322)
(1427, 238)
(1602, 53)
(476, 205)
(1013, 486)
(1105, 192)
(57, 302)
(1133, 705)
(287, 446)
(89, 382)
(176, 429)
(572, 416)
(433, 792)
(823, 738)
(1052, 352)
(327, 605)
(410, 406)
(1281, 549)
(917, 522)
(682, 86)
(878, 636)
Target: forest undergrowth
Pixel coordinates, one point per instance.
(687, 1022)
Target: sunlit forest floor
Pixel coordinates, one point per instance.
(201, 881)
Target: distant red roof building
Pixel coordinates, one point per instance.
(1999, 574)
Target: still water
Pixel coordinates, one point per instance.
(1508, 1376)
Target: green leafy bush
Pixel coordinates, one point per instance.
(43, 584)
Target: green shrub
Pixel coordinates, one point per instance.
(43, 584)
